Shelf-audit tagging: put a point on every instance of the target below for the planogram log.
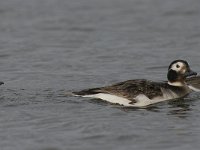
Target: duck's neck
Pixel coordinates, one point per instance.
(177, 83)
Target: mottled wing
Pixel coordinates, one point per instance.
(132, 88)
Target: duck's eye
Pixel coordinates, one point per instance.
(177, 66)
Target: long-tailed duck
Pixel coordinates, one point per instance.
(141, 92)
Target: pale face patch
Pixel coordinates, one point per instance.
(179, 67)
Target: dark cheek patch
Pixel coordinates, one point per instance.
(172, 76)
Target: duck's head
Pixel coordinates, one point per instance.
(178, 71)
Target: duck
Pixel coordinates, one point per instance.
(142, 92)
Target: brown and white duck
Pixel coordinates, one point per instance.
(141, 92)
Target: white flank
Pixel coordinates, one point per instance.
(111, 98)
(141, 100)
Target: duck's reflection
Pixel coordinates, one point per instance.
(180, 107)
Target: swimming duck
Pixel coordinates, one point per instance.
(141, 92)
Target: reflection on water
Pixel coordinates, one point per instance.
(180, 107)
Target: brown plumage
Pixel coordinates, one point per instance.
(131, 88)
(194, 81)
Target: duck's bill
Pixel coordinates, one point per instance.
(190, 73)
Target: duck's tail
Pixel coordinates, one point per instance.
(87, 92)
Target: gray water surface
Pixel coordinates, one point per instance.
(49, 47)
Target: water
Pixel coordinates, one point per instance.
(49, 47)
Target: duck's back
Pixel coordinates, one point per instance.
(132, 88)
(128, 89)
